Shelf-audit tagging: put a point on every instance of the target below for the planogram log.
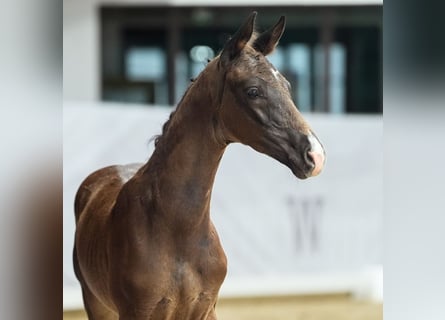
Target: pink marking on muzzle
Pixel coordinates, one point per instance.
(317, 154)
(318, 159)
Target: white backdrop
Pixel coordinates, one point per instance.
(280, 234)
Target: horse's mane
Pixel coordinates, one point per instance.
(166, 125)
(157, 138)
(253, 37)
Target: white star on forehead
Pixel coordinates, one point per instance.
(275, 73)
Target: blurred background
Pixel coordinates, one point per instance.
(296, 249)
(147, 52)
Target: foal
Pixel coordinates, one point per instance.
(145, 246)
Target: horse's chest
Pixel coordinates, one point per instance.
(194, 280)
(204, 273)
(171, 277)
(189, 290)
(197, 265)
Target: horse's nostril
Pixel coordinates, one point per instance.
(317, 159)
(309, 158)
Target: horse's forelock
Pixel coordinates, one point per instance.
(252, 39)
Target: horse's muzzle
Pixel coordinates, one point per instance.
(316, 155)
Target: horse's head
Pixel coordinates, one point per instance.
(256, 105)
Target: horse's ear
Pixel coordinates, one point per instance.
(239, 40)
(266, 42)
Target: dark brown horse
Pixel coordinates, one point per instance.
(145, 246)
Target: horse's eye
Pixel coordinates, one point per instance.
(253, 92)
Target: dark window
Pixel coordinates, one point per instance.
(149, 54)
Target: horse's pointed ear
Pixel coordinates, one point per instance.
(239, 40)
(266, 42)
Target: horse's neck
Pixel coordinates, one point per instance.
(184, 164)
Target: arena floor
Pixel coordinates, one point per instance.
(329, 307)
